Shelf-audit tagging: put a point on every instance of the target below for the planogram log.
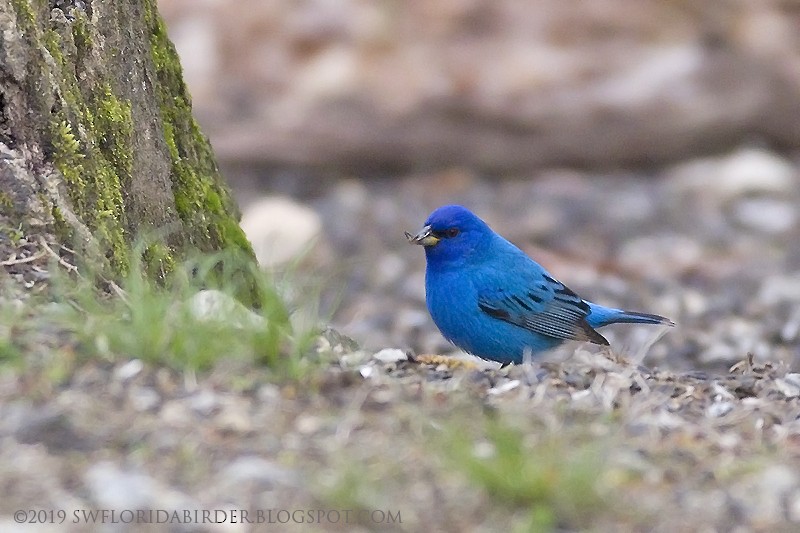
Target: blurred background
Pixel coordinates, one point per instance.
(645, 152)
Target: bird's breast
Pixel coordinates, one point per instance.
(452, 300)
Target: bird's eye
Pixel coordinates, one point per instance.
(451, 232)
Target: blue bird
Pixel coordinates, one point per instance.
(490, 299)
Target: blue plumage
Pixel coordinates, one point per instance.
(490, 299)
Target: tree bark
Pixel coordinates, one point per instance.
(98, 146)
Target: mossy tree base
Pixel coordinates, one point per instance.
(97, 136)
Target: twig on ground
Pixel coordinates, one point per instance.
(69, 266)
(9, 262)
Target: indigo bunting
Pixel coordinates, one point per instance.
(490, 299)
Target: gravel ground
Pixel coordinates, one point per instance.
(652, 450)
(709, 243)
(693, 428)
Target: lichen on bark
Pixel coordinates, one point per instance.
(93, 97)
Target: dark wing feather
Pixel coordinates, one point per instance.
(547, 308)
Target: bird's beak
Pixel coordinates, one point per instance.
(424, 237)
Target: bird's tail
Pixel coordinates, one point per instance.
(602, 316)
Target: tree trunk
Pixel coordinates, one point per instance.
(98, 146)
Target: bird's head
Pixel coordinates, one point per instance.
(452, 233)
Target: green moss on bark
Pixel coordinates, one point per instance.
(63, 231)
(6, 202)
(201, 198)
(98, 114)
(91, 140)
(26, 17)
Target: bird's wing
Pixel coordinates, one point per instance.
(544, 306)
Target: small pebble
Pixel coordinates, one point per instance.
(391, 355)
(128, 370)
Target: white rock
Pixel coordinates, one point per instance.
(211, 305)
(789, 385)
(129, 370)
(279, 229)
(484, 450)
(309, 424)
(721, 393)
(255, 469)
(144, 398)
(204, 402)
(504, 388)
(754, 170)
(113, 488)
(390, 355)
(718, 409)
(747, 171)
(768, 215)
(269, 394)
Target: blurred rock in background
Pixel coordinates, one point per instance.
(496, 85)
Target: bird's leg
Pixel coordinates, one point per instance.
(615, 356)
